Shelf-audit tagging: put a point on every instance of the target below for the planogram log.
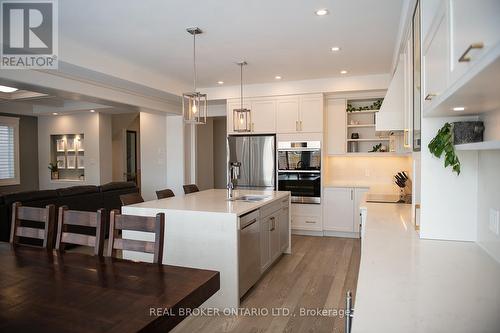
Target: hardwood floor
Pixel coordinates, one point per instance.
(316, 276)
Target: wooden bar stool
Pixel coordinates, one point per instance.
(166, 193)
(131, 198)
(190, 188)
(120, 222)
(75, 218)
(41, 215)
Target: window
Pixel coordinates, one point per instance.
(9, 151)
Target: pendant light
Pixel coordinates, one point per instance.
(194, 104)
(242, 117)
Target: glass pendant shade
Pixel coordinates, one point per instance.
(242, 120)
(194, 108)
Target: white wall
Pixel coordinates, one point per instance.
(105, 148)
(337, 84)
(86, 123)
(448, 202)
(153, 143)
(205, 155)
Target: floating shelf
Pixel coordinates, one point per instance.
(361, 125)
(367, 140)
(484, 145)
(379, 154)
(361, 112)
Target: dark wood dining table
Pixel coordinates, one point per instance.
(46, 291)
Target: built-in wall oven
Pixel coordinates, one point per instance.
(299, 170)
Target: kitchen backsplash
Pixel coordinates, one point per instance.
(376, 172)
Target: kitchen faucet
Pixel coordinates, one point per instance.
(234, 173)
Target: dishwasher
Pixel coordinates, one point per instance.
(249, 267)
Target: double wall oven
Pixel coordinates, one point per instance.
(299, 170)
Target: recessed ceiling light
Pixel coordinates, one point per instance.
(343, 72)
(55, 113)
(335, 49)
(6, 89)
(277, 77)
(322, 12)
(92, 110)
(459, 108)
(220, 82)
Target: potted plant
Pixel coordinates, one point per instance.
(443, 143)
(54, 171)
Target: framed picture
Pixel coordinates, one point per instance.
(80, 162)
(70, 144)
(71, 160)
(61, 162)
(60, 145)
(80, 144)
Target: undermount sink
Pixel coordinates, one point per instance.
(250, 198)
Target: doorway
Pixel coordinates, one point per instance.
(131, 158)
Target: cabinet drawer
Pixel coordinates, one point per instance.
(306, 222)
(270, 208)
(306, 210)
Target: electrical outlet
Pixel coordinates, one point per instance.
(494, 220)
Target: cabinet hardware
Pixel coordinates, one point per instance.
(253, 127)
(296, 125)
(464, 57)
(429, 97)
(406, 138)
(352, 194)
(301, 125)
(349, 312)
(310, 222)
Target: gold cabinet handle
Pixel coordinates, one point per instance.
(296, 125)
(301, 125)
(465, 57)
(310, 221)
(429, 97)
(406, 141)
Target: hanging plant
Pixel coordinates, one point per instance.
(443, 143)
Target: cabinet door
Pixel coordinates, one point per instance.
(265, 242)
(336, 126)
(311, 114)
(358, 198)
(231, 105)
(436, 60)
(287, 115)
(473, 22)
(263, 116)
(284, 227)
(274, 236)
(338, 209)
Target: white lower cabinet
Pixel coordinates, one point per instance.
(271, 235)
(284, 223)
(306, 217)
(341, 209)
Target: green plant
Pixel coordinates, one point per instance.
(53, 167)
(443, 142)
(376, 148)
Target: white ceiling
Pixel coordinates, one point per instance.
(282, 37)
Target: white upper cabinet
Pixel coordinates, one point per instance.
(391, 114)
(311, 113)
(287, 115)
(436, 60)
(336, 126)
(263, 115)
(475, 30)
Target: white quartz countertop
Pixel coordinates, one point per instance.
(407, 284)
(213, 200)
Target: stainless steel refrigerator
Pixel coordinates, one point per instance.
(257, 155)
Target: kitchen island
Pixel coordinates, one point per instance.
(206, 230)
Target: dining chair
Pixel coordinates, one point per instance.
(131, 198)
(166, 193)
(21, 214)
(72, 223)
(190, 188)
(119, 222)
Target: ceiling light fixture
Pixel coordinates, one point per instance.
(343, 72)
(459, 108)
(55, 113)
(220, 82)
(92, 110)
(322, 12)
(277, 77)
(194, 104)
(242, 121)
(6, 89)
(335, 49)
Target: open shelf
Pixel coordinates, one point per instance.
(367, 140)
(379, 154)
(361, 125)
(364, 111)
(484, 145)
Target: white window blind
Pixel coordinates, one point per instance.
(9, 168)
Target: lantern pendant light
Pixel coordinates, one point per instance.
(194, 104)
(242, 120)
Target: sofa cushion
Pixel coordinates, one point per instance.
(29, 196)
(77, 190)
(112, 186)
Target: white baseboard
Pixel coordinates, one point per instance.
(307, 232)
(341, 234)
